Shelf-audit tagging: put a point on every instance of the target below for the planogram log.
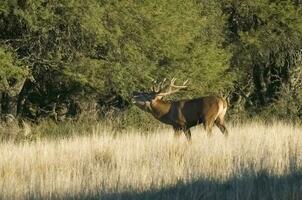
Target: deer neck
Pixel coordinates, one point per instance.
(159, 108)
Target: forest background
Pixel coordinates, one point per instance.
(80, 61)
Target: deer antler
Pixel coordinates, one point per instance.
(172, 88)
(157, 88)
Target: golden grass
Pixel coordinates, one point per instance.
(255, 161)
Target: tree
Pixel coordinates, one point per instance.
(265, 37)
(13, 77)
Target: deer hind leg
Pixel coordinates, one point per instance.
(220, 124)
(208, 125)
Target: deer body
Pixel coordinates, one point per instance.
(184, 114)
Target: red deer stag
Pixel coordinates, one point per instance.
(183, 114)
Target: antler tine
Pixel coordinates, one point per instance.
(172, 88)
(184, 85)
(163, 83)
(173, 81)
(158, 86)
(154, 88)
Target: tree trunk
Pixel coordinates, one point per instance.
(10, 98)
(10, 104)
(1, 103)
(9, 107)
(260, 85)
(22, 97)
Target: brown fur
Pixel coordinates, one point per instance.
(184, 114)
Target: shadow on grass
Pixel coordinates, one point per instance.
(257, 186)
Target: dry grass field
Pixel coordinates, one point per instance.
(255, 162)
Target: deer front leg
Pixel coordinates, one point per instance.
(187, 134)
(177, 132)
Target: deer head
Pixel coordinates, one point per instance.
(159, 90)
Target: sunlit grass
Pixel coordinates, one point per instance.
(106, 165)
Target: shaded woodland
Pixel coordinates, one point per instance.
(72, 59)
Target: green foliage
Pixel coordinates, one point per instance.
(8, 67)
(137, 119)
(265, 37)
(101, 51)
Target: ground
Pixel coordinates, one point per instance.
(256, 161)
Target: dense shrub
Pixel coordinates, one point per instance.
(71, 59)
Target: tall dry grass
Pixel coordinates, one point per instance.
(255, 162)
